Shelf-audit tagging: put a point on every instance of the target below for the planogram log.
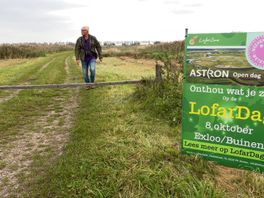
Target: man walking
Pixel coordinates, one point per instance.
(87, 49)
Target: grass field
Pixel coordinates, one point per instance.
(99, 142)
(234, 61)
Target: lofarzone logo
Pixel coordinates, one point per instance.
(193, 40)
(204, 41)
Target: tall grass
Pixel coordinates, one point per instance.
(164, 98)
(11, 51)
(158, 51)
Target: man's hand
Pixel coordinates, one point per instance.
(78, 62)
(101, 60)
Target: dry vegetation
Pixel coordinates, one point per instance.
(12, 51)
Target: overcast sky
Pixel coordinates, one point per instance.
(115, 20)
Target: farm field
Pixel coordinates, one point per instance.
(98, 142)
(222, 60)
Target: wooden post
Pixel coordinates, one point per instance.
(158, 73)
(70, 85)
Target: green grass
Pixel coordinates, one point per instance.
(116, 148)
(113, 69)
(236, 60)
(19, 114)
(21, 73)
(29, 104)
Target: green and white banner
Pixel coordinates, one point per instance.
(223, 101)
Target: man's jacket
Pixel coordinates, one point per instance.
(96, 49)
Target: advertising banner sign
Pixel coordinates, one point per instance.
(223, 99)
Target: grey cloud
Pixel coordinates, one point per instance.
(31, 10)
(40, 5)
(181, 12)
(194, 5)
(164, 1)
(171, 2)
(32, 17)
(187, 9)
